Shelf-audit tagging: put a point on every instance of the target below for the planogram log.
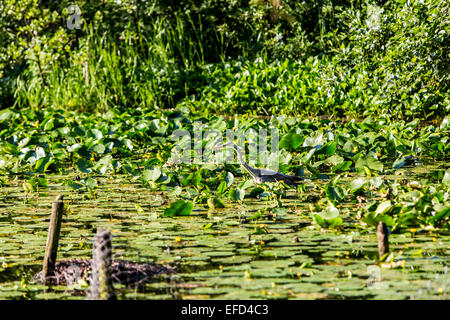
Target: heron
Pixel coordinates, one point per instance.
(261, 175)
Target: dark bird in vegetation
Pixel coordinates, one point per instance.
(261, 175)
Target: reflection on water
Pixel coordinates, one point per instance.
(219, 253)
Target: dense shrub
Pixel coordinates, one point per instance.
(264, 56)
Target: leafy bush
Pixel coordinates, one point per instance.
(321, 57)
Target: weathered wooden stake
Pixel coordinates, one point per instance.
(383, 239)
(51, 247)
(101, 286)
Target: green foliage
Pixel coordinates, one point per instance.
(318, 57)
(179, 208)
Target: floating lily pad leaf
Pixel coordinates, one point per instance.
(334, 192)
(215, 203)
(343, 166)
(280, 212)
(222, 188)
(357, 184)
(330, 212)
(74, 185)
(139, 209)
(95, 133)
(98, 148)
(6, 114)
(107, 163)
(246, 184)
(446, 179)
(84, 165)
(335, 160)
(229, 179)
(179, 208)
(236, 194)
(152, 174)
(314, 140)
(90, 183)
(74, 147)
(400, 162)
(329, 148)
(256, 192)
(291, 141)
(384, 208)
(175, 192)
(43, 163)
(368, 162)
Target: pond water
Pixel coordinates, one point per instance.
(218, 253)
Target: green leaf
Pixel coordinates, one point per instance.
(215, 203)
(330, 212)
(107, 163)
(291, 141)
(319, 220)
(98, 148)
(139, 209)
(368, 162)
(343, 166)
(357, 184)
(328, 149)
(229, 179)
(84, 165)
(222, 188)
(446, 179)
(400, 162)
(179, 208)
(90, 183)
(384, 208)
(6, 114)
(335, 160)
(256, 192)
(151, 175)
(76, 186)
(43, 163)
(236, 194)
(334, 193)
(314, 140)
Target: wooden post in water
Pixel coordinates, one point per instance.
(101, 286)
(383, 239)
(51, 247)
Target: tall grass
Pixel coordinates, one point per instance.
(370, 60)
(133, 70)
